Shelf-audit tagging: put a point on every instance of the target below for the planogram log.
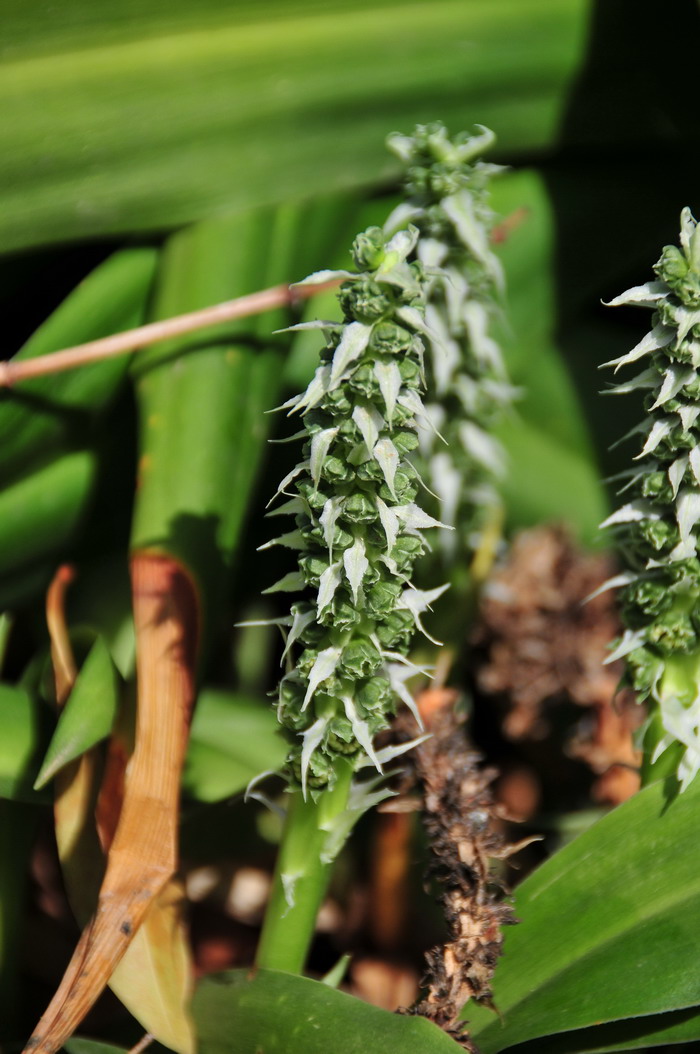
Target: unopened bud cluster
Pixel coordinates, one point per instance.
(658, 524)
(447, 200)
(357, 525)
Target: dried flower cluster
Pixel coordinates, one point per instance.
(657, 527)
(462, 827)
(447, 200)
(357, 525)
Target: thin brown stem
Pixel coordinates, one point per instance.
(134, 339)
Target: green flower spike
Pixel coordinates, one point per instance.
(358, 529)
(447, 188)
(658, 526)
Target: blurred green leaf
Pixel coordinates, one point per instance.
(39, 514)
(88, 715)
(155, 114)
(608, 927)
(240, 1013)
(553, 474)
(80, 1045)
(21, 744)
(44, 415)
(233, 739)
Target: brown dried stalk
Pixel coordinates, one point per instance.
(134, 339)
(462, 823)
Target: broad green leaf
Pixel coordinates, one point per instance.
(233, 739)
(608, 927)
(552, 473)
(241, 1012)
(21, 742)
(650, 1031)
(81, 1045)
(88, 715)
(41, 416)
(40, 513)
(160, 114)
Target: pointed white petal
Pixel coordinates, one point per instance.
(325, 664)
(356, 564)
(331, 511)
(648, 378)
(291, 540)
(319, 277)
(657, 338)
(320, 445)
(290, 508)
(316, 323)
(415, 519)
(327, 585)
(301, 467)
(687, 511)
(389, 380)
(615, 582)
(630, 640)
(688, 415)
(401, 215)
(417, 601)
(289, 584)
(431, 253)
(361, 731)
(310, 740)
(353, 342)
(387, 457)
(369, 422)
(399, 247)
(646, 295)
(482, 447)
(476, 319)
(676, 377)
(694, 458)
(633, 512)
(299, 623)
(319, 386)
(390, 522)
(659, 430)
(677, 471)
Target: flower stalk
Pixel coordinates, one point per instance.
(357, 534)
(657, 527)
(447, 188)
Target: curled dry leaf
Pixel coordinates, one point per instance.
(138, 919)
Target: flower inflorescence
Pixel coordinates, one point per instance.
(658, 524)
(358, 529)
(447, 187)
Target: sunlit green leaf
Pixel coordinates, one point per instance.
(608, 927)
(88, 715)
(159, 114)
(233, 739)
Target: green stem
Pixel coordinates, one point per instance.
(301, 876)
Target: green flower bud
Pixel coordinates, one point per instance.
(368, 249)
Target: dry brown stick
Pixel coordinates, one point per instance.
(131, 340)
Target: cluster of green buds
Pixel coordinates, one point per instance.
(658, 525)
(358, 529)
(447, 200)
